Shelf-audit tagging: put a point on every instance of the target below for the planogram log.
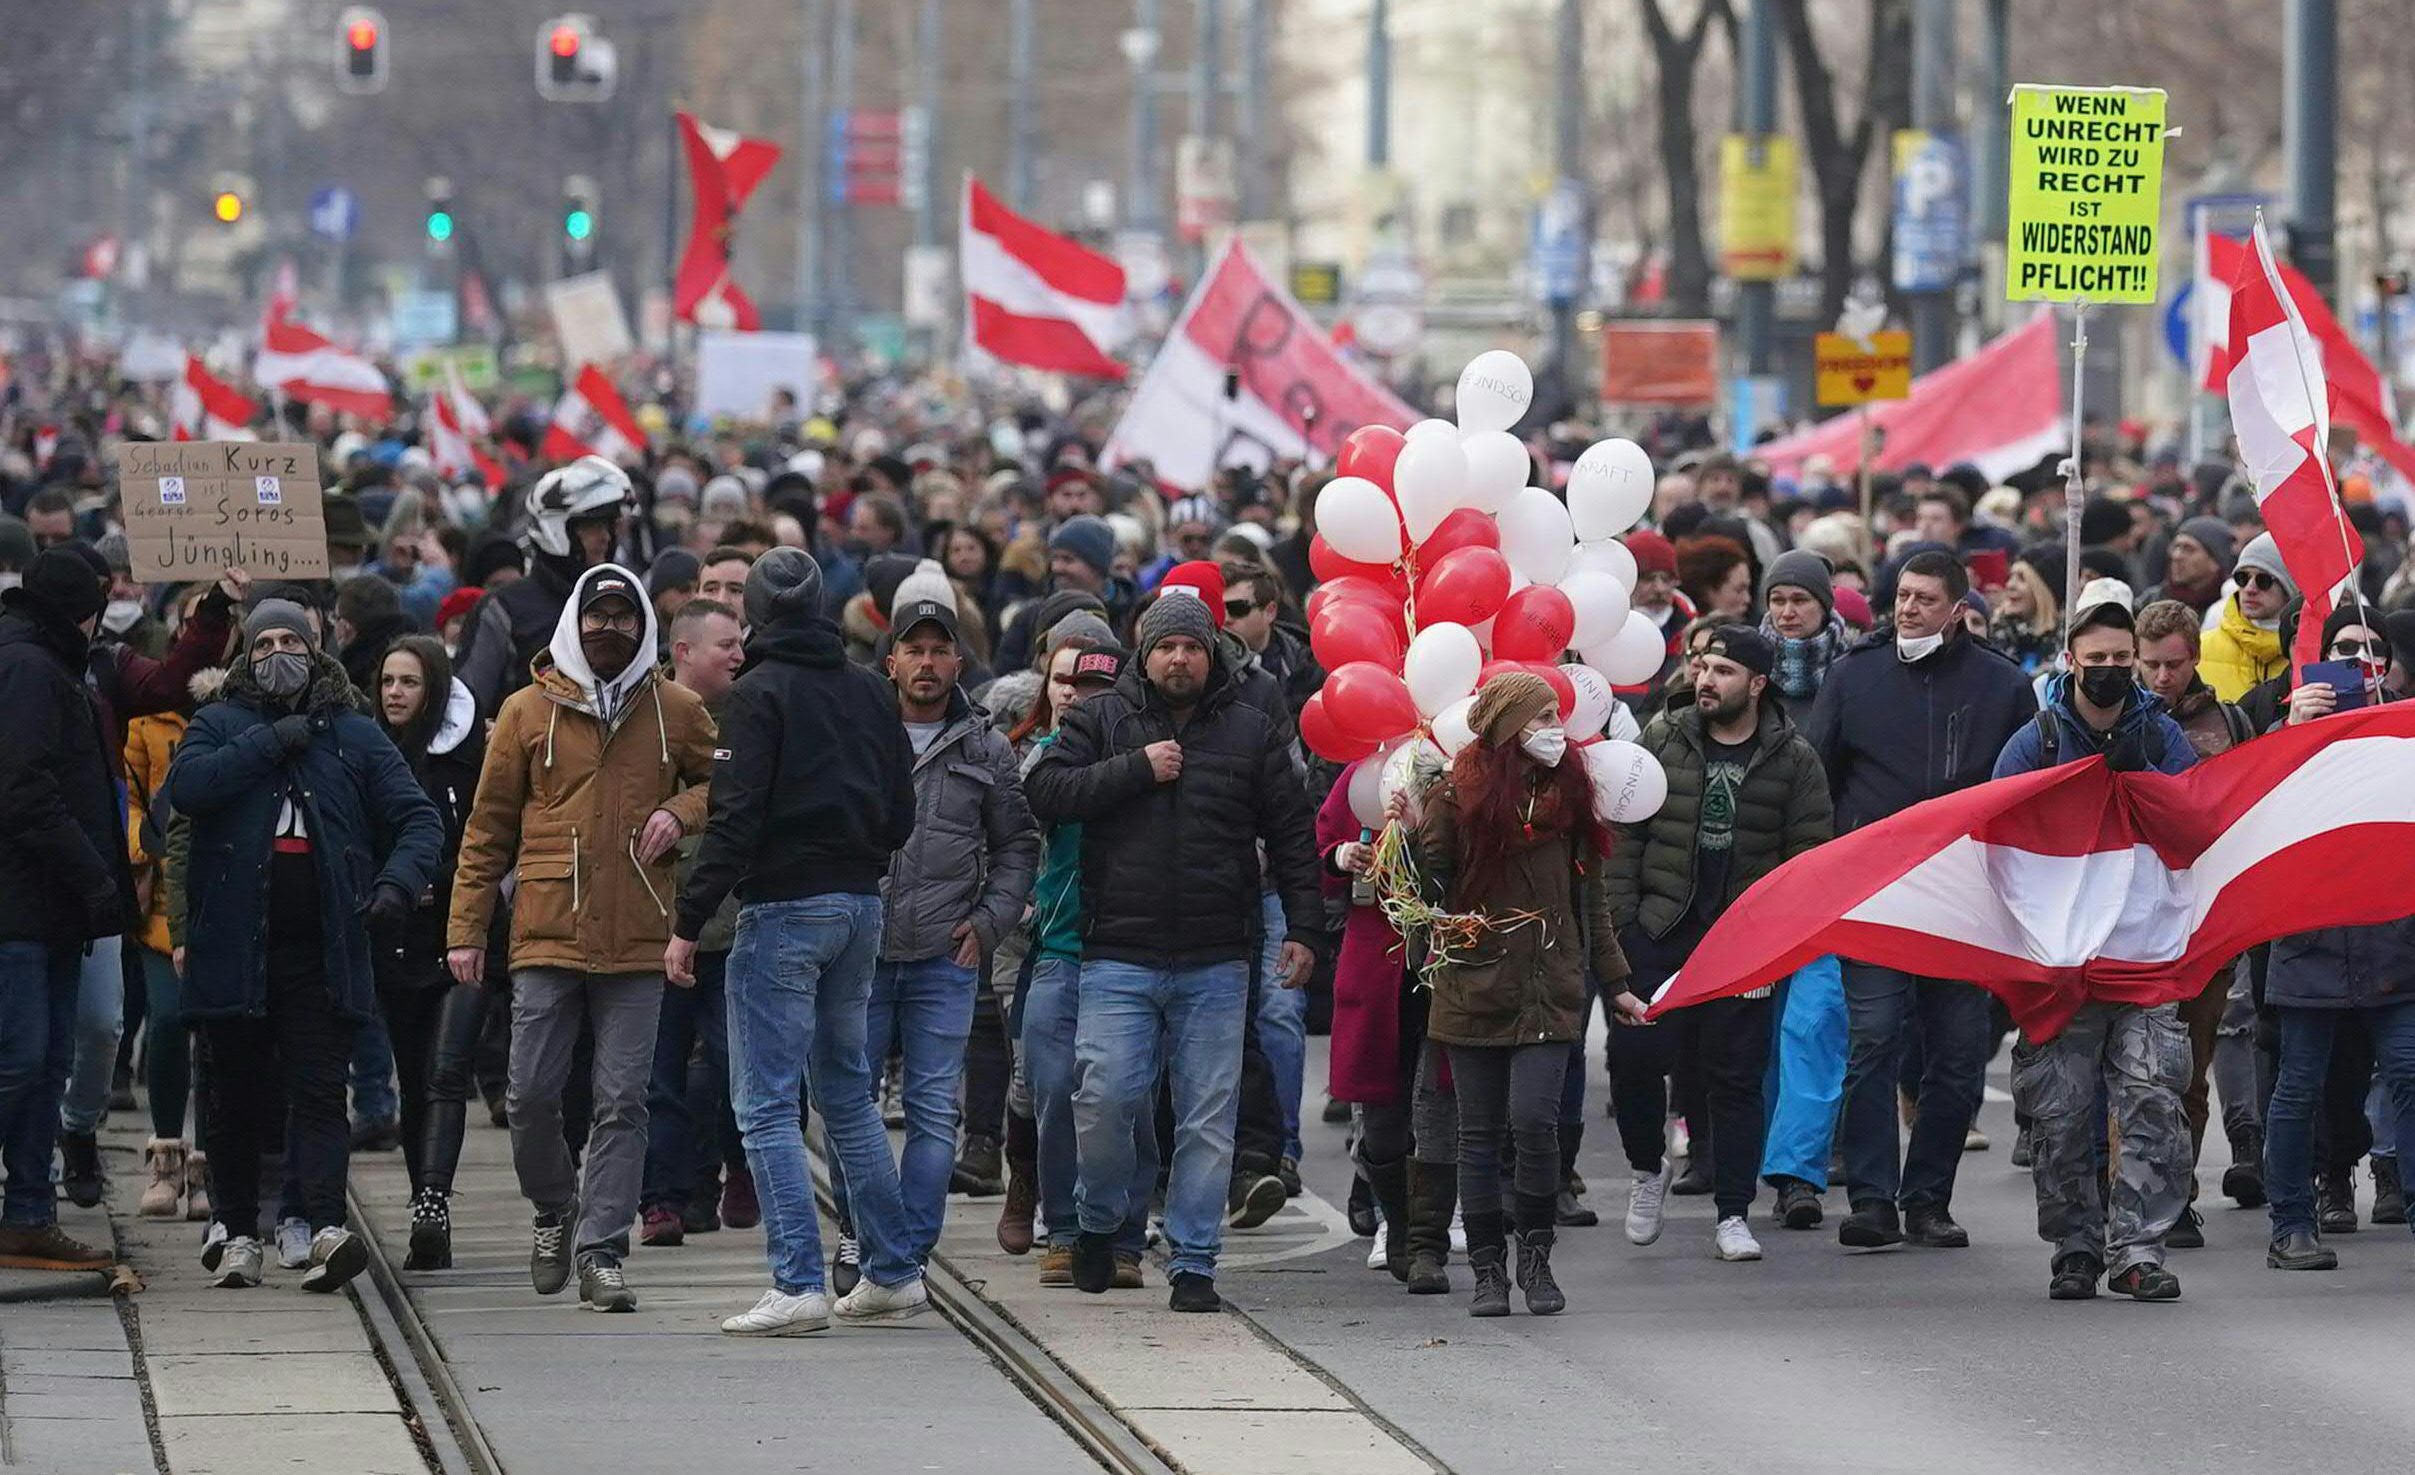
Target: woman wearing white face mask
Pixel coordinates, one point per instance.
(1510, 849)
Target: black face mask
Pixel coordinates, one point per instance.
(608, 652)
(2106, 686)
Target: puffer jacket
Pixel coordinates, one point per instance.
(2343, 967)
(1170, 872)
(975, 849)
(1782, 810)
(2236, 655)
(150, 748)
(565, 793)
(2143, 738)
(720, 933)
(1892, 733)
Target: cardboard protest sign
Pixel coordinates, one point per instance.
(195, 507)
(1858, 371)
(2087, 191)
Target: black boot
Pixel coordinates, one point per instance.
(1570, 1209)
(1488, 1256)
(431, 1232)
(1537, 1217)
(1433, 1191)
(81, 1156)
(1361, 1209)
(2389, 1194)
(2335, 1202)
(1390, 1184)
(2243, 1180)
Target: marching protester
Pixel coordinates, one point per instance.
(574, 520)
(2242, 645)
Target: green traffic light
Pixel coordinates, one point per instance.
(440, 226)
(578, 225)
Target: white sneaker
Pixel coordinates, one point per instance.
(779, 1314)
(293, 1243)
(236, 1264)
(870, 1303)
(1733, 1240)
(336, 1255)
(1647, 1196)
(1376, 1259)
(1458, 1232)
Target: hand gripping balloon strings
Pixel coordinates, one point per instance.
(1448, 936)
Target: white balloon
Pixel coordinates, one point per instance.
(1438, 429)
(1632, 656)
(1497, 467)
(1494, 390)
(1535, 534)
(1628, 784)
(1450, 726)
(1441, 666)
(1366, 791)
(1601, 605)
(1606, 556)
(1429, 479)
(1594, 703)
(1358, 520)
(1609, 488)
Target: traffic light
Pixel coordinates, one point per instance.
(440, 212)
(574, 64)
(226, 207)
(361, 51)
(578, 222)
(562, 53)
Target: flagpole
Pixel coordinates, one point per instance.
(2074, 491)
(2322, 452)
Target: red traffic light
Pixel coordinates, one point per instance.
(564, 41)
(362, 34)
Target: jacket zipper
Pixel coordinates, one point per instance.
(576, 904)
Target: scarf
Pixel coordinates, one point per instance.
(1801, 664)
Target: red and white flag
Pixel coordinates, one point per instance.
(1245, 378)
(591, 419)
(456, 425)
(2281, 414)
(724, 168)
(205, 407)
(2078, 884)
(1035, 298)
(2359, 396)
(301, 364)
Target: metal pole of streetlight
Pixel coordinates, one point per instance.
(1257, 39)
(1757, 301)
(842, 212)
(1142, 44)
(1568, 141)
(926, 74)
(2310, 125)
(813, 176)
(1019, 140)
(1992, 157)
(1933, 112)
(1207, 69)
(1379, 84)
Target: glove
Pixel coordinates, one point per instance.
(389, 904)
(292, 731)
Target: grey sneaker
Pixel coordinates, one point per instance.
(336, 1255)
(239, 1261)
(293, 1243)
(549, 1257)
(601, 1286)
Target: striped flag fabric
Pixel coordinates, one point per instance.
(1036, 298)
(303, 365)
(591, 419)
(456, 425)
(2077, 884)
(723, 168)
(2280, 411)
(205, 407)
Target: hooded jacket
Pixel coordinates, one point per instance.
(1892, 732)
(368, 821)
(2235, 654)
(975, 848)
(574, 768)
(813, 785)
(447, 770)
(2144, 736)
(63, 874)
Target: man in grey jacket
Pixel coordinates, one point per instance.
(952, 892)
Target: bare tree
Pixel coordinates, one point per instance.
(1676, 56)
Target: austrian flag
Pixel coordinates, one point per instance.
(591, 419)
(724, 168)
(304, 365)
(1035, 298)
(2079, 884)
(204, 407)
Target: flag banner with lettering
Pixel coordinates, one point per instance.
(2077, 884)
(205, 407)
(2086, 178)
(1246, 378)
(193, 508)
(303, 365)
(2000, 409)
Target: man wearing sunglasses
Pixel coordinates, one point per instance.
(2244, 647)
(1253, 604)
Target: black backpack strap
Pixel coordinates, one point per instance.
(2234, 719)
(2050, 738)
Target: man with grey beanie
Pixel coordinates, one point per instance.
(812, 793)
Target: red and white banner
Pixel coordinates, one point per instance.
(205, 407)
(1035, 298)
(2282, 418)
(1291, 392)
(302, 365)
(2359, 397)
(591, 419)
(2078, 884)
(456, 425)
(2001, 409)
(724, 168)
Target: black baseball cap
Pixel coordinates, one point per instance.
(926, 611)
(1104, 666)
(1744, 645)
(610, 583)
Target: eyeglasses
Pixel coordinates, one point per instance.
(1240, 609)
(2349, 650)
(2256, 578)
(596, 619)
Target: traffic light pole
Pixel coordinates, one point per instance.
(1932, 313)
(1757, 301)
(2310, 125)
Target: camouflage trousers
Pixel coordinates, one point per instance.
(2133, 1064)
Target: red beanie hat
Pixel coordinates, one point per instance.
(1654, 554)
(1203, 579)
(1854, 609)
(460, 602)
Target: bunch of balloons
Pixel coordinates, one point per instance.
(1439, 567)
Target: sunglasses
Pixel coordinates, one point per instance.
(1239, 609)
(2258, 579)
(2349, 650)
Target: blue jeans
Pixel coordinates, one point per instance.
(1282, 1022)
(1955, 1032)
(1806, 1074)
(798, 983)
(2297, 1098)
(1135, 1019)
(925, 1009)
(100, 1016)
(373, 1098)
(38, 984)
(690, 1017)
(1050, 1008)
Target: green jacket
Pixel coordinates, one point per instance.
(1056, 898)
(1782, 811)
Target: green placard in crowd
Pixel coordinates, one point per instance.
(2087, 194)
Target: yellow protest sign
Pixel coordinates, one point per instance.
(1756, 207)
(2087, 193)
(1857, 371)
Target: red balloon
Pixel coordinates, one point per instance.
(1465, 528)
(1535, 625)
(1353, 589)
(1560, 685)
(1326, 740)
(1369, 451)
(1347, 630)
(1466, 587)
(1490, 669)
(1369, 703)
(1328, 565)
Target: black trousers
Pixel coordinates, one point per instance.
(435, 1028)
(989, 1068)
(287, 1071)
(1730, 1043)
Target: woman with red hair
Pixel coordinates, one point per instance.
(1510, 851)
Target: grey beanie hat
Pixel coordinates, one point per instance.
(785, 584)
(278, 614)
(1175, 614)
(2215, 537)
(1087, 538)
(1082, 622)
(1805, 570)
(2263, 553)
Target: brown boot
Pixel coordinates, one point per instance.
(1022, 1204)
(163, 1180)
(197, 1187)
(48, 1247)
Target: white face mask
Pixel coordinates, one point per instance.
(121, 615)
(1546, 747)
(1914, 647)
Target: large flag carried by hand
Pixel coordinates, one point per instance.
(1035, 298)
(205, 407)
(2280, 411)
(724, 167)
(303, 365)
(2078, 884)
(456, 423)
(591, 419)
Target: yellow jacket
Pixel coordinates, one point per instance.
(150, 744)
(2236, 656)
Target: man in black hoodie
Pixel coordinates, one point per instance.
(812, 793)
